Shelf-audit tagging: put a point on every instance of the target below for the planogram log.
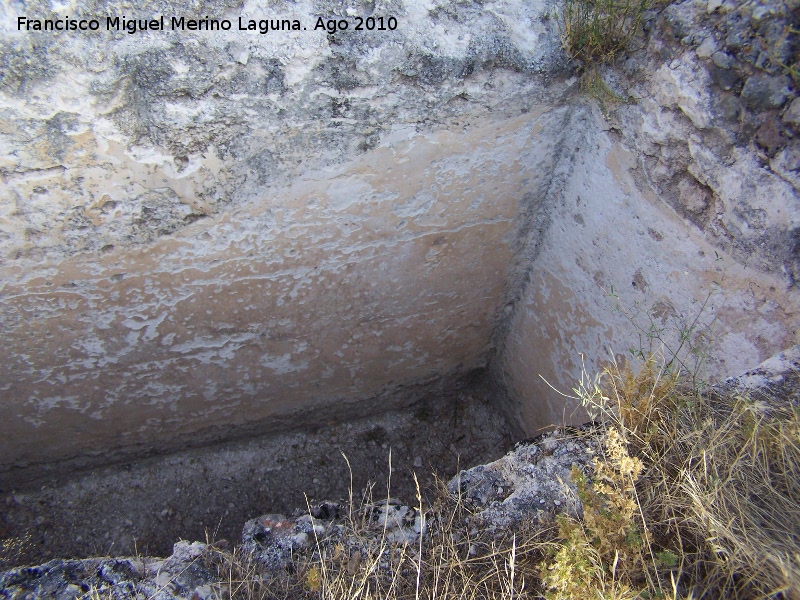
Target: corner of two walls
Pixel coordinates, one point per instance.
(351, 290)
(335, 241)
(206, 232)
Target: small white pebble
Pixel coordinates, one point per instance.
(300, 539)
(557, 502)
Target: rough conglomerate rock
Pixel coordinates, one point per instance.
(182, 575)
(532, 482)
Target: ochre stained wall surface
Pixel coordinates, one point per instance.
(382, 272)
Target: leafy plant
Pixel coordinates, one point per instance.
(601, 554)
(709, 505)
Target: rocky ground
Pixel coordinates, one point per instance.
(529, 484)
(143, 507)
(526, 487)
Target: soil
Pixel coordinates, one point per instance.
(144, 507)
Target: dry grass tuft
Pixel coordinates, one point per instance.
(449, 562)
(719, 492)
(597, 31)
(12, 548)
(695, 496)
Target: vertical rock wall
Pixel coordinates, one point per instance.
(204, 233)
(382, 273)
(674, 225)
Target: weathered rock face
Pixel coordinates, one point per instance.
(184, 575)
(531, 483)
(204, 231)
(671, 222)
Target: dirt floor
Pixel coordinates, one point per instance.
(144, 507)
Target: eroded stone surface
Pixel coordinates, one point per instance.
(202, 231)
(531, 483)
(777, 378)
(181, 576)
(686, 192)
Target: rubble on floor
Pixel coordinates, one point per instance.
(531, 483)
